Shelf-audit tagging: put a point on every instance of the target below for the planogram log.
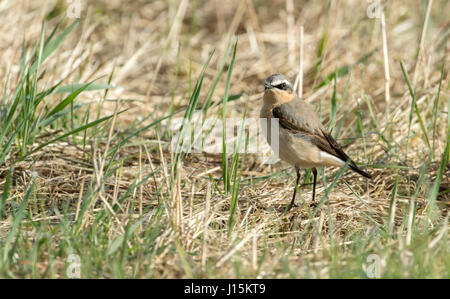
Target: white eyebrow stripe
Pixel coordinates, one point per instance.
(278, 82)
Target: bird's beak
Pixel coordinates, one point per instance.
(266, 87)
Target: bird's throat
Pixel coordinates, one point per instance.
(275, 97)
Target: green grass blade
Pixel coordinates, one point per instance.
(5, 193)
(331, 187)
(69, 99)
(333, 109)
(392, 207)
(225, 167)
(435, 107)
(235, 167)
(416, 110)
(443, 164)
(17, 221)
(380, 226)
(52, 45)
(90, 87)
(79, 129)
(342, 71)
(211, 91)
(119, 240)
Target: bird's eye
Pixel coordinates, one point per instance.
(282, 86)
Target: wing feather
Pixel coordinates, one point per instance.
(308, 125)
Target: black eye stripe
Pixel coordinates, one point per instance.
(281, 86)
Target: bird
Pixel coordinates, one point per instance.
(303, 141)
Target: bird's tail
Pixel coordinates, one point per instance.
(355, 168)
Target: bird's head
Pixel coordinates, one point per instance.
(277, 81)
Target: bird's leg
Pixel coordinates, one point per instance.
(314, 171)
(295, 189)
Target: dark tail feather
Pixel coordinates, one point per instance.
(355, 168)
(338, 152)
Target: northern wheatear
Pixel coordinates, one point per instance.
(303, 141)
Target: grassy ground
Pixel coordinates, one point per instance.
(92, 186)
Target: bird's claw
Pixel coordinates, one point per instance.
(290, 206)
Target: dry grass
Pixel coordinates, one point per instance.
(156, 50)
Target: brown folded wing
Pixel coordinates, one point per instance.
(307, 123)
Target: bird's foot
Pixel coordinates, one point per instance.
(290, 206)
(313, 205)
